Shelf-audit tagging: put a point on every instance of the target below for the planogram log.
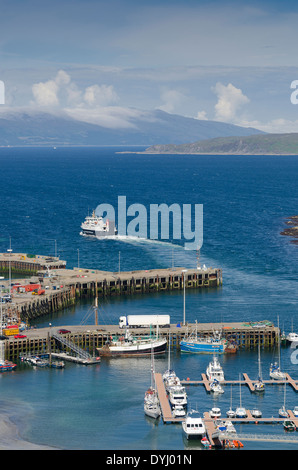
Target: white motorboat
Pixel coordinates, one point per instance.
(193, 426)
(178, 396)
(231, 413)
(214, 371)
(230, 427)
(96, 226)
(215, 387)
(295, 411)
(178, 411)
(256, 413)
(215, 413)
(172, 382)
(292, 337)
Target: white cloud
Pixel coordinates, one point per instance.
(54, 92)
(46, 93)
(172, 99)
(230, 100)
(202, 116)
(100, 95)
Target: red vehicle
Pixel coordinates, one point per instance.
(20, 336)
(63, 332)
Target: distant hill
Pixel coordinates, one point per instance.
(145, 128)
(266, 144)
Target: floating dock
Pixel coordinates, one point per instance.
(247, 381)
(213, 434)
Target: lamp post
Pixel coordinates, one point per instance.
(184, 271)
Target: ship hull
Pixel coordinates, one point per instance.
(133, 350)
(207, 348)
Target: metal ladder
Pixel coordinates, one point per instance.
(79, 351)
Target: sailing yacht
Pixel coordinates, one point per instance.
(231, 413)
(151, 400)
(275, 372)
(240, 411)
(282, 411)
(259, 386)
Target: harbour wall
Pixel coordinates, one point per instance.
(90, 337)
(63, 287)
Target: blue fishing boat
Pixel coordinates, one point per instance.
(198, 344)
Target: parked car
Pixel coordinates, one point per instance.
(63, 332)
(20, 336)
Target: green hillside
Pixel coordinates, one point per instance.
(276, 144)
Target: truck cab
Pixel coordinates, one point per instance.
(122, 322)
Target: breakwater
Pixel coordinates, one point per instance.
(61, 287)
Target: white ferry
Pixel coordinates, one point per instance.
(96, 226)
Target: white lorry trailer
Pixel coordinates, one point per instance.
(139, 321)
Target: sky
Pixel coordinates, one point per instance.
(106, 61)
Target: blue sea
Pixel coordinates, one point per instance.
(45, 194)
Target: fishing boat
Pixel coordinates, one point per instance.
(214, 371)
(198, 344)
(128, 345)
(151, 401)
(193, 426)
(259, 386)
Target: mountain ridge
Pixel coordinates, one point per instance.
(140, 128)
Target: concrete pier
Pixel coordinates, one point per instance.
(63, 286)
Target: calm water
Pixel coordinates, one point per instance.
(46, 193)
